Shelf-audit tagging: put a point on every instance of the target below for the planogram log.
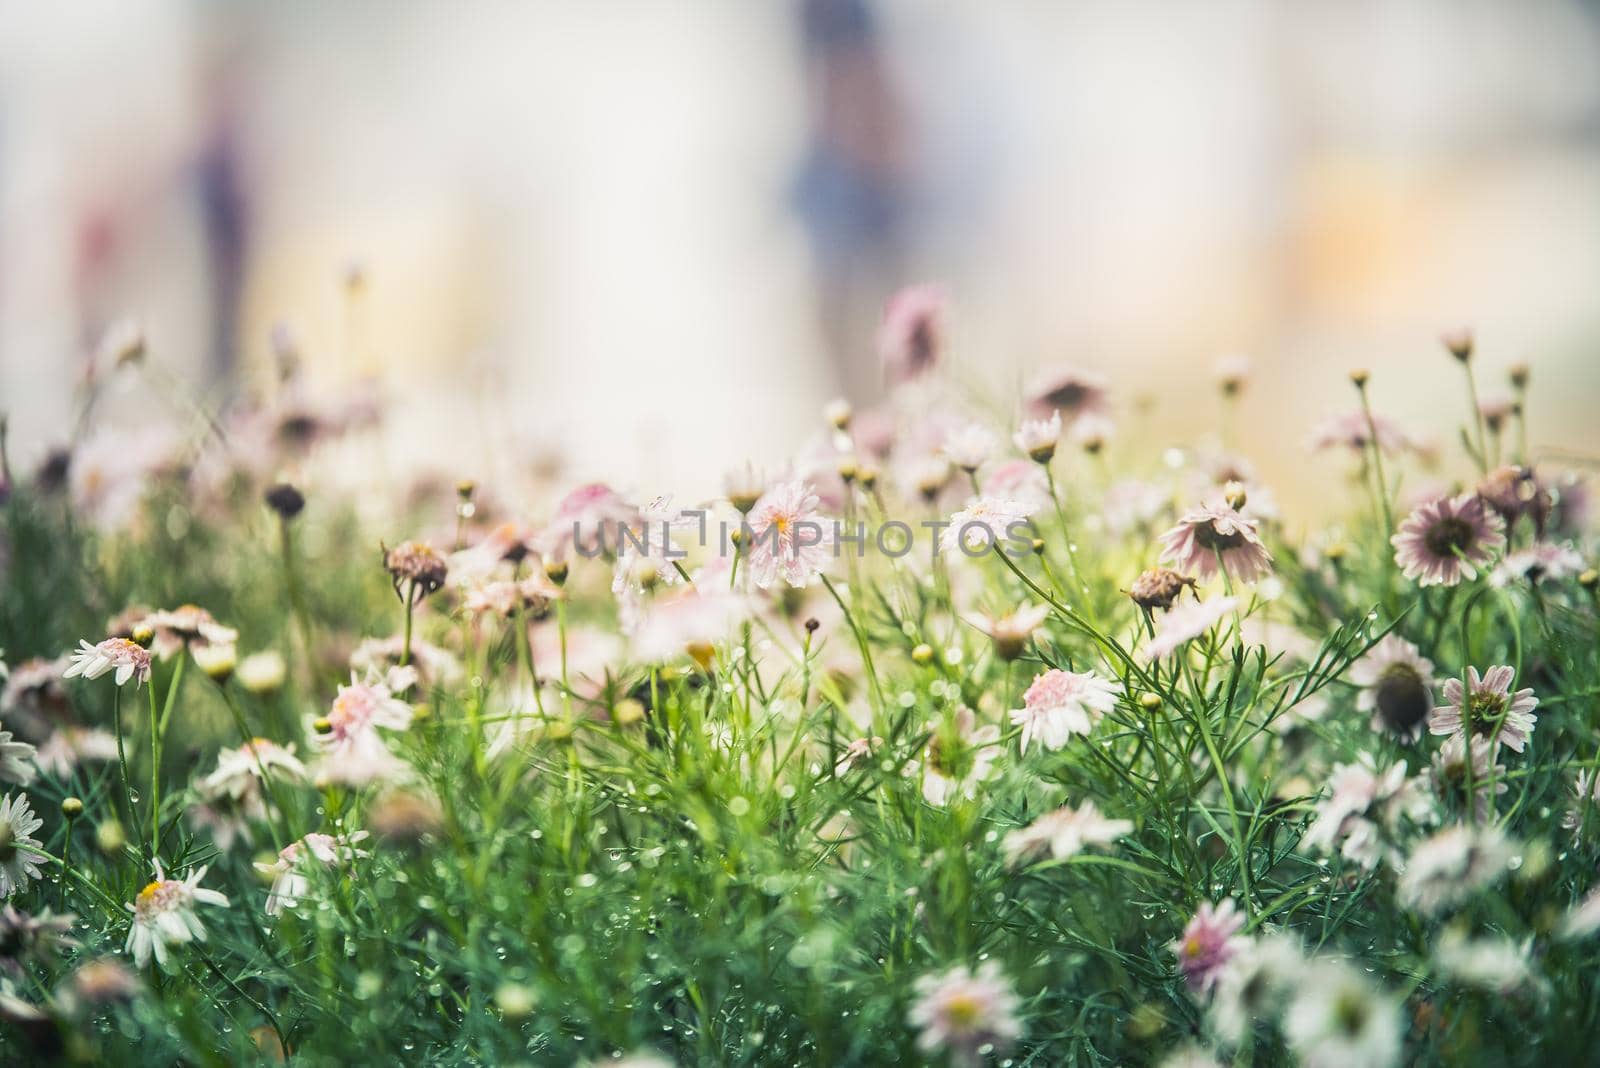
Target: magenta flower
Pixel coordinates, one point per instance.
(1447, 540)
(1489, 705)
(1216, 532)
(1209, 942)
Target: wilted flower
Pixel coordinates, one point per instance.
(1064, 833)
(1011, 632)
(290, 883)
(1453, 865)
(164, 915)
(788, 537)
(1396, 683)
(912, 334)
(1448, 539)
(417, 567)
(18, 847)
(1060, 704)
(128, 658)
(1185, 623)
(964, 1013)
(1158, 587)
(1337, 1020)
(1488, 704)
(1210, 940)
(1214, 533)
(1513, 492)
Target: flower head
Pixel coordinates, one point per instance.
(981, 524)
(959, 758)
(353, 751)
(1209, 941)
(1448, 539)
(1060, 704)
(1158, 587)
(1336, 1020)
(16, 760)
(1352, 431)
(1451, 866)
(290, 884)
(1216, 535)
(18, 861)
(185, 627)
(1185, 623)
(416, 569)
(1039, 437)
(1541, 562)
(1487, 703)
(912, 335)
(127, 658)
(1070, 392)
(164, 915)
(788, 536)
(969, 447)
(1011, 632)
(1396, 683)
(1064, 833)
(962, 1011)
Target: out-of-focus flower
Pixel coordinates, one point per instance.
(1350, 430)
(29, 939)
(1038, 437)
(855, 752)
(34, 700)
(788, 537)
(1337, 1020)
(353, 752)
(103, 981)
(1451, 866)
(1513, 492)
(1396, 683)
(290, 884)
(1060, 704)
(127, 658)
(1064, 833)
(983, 523)
(1185, 623)
(188, 626)
(1071, 392)
(962, 1012)
(1020, 481)
(646, 554)
(1133, 505)
(1158, 587)
(1255, 985)
(959, 758)
(969, 447)
(1541, 562)
(16, 760)
(587, 519)
(164, 915)
(416, 566)
(1232, 373)
(1214, 533)
(263, 672)
(1011, 632)
(912, 335)
(690, 622)
(1488, 704)
(1209, 941)
(68, 747)
(1497, 965)
(429, 666)
(1449, 775)
(1363, 802)
(216, 661)
(1447, 540)
(18, 857)
(285, 500)
(404, 817)
(1584, 811)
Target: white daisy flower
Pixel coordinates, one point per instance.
(17, 861)
(126, 657)
(164, 915)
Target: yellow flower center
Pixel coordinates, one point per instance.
(149, 892)
(962, 1010)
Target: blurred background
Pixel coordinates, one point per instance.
(654, 237)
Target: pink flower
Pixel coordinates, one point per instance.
(290, 883)
(1489, 704)
(1064, 833)
(1447, 540)
(1349, 430)
(788, 537)
(1060, 704)
(353, 752)
(1209, 942)
(1071, 392)
(962, 1011)
(1186, 622)
(587, 518)
(912, 335)
(1022, 481)
(1214, 532)
(982, 523)
(687, 623)
(1541, 562)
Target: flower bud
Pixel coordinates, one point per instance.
(284, 499)
(71, 807)
(838, 413)
(922, 654)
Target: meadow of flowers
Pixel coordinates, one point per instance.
(986, 730)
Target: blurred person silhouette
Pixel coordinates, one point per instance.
(852, 193)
